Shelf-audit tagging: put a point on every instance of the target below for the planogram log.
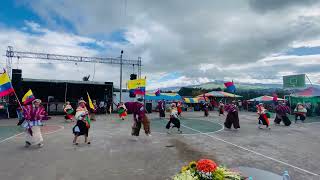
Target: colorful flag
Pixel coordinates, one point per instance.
(157, 93)
(140, 91)
(230, 86)
(138, 86)
(137, 83)
(5, 85)
(90, 102)
(28, 97)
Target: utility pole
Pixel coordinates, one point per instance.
(121, 76)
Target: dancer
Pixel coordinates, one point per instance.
(263, 118)
(161, 106)
(232, 117)
(68, 110)
(300, 112)
(179, 108)
(139, 117)
(122, 110)
(281, 114)
(83, 123)
(206, 108)
(221, 108)
(173, 119)
(33, 115)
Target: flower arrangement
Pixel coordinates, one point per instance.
(206, 169)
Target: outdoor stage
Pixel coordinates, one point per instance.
(115, 154)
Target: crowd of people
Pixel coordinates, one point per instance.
(32, 115)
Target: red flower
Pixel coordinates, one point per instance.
(206, 165)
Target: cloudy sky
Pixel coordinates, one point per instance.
(181, 42)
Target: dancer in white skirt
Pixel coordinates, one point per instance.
(33, 115)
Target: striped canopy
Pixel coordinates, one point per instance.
(219, 94)
(163, 96)
(191, 100)
(264, 99)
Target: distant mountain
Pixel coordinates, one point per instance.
(173, 89)
(240, 86)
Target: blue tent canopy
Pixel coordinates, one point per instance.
(165, 96)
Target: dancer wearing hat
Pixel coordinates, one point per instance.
(263, 118)
(33, 116)
(232, 117)
(300, 112)
(206, 108)
(221, 108)
(281, 114)
(139, 118)
(83, 123)
(173, 119)
(162, 109)
(122, 110)
(68, 110)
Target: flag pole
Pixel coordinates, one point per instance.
(15, 94)
(309, 80)
(144, 97)
(16, 97)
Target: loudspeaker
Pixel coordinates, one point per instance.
(16, 80)
(133, 76)
(16, 75)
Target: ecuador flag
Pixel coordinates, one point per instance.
(5, 85)
(28, 97)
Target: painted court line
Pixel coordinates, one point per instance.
(17, 135)
(254, 152)
(11, 137)
(61, 128)
(192, 134)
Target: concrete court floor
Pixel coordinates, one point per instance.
(114, 154)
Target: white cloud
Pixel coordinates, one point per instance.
(56, 43)
(242, 40)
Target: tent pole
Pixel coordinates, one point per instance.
(309, 80)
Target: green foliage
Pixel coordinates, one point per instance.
(218, 174)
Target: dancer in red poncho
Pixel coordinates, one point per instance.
(263, 118)
(33, 115)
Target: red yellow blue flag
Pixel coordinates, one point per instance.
(28, 97)
(5, 85)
